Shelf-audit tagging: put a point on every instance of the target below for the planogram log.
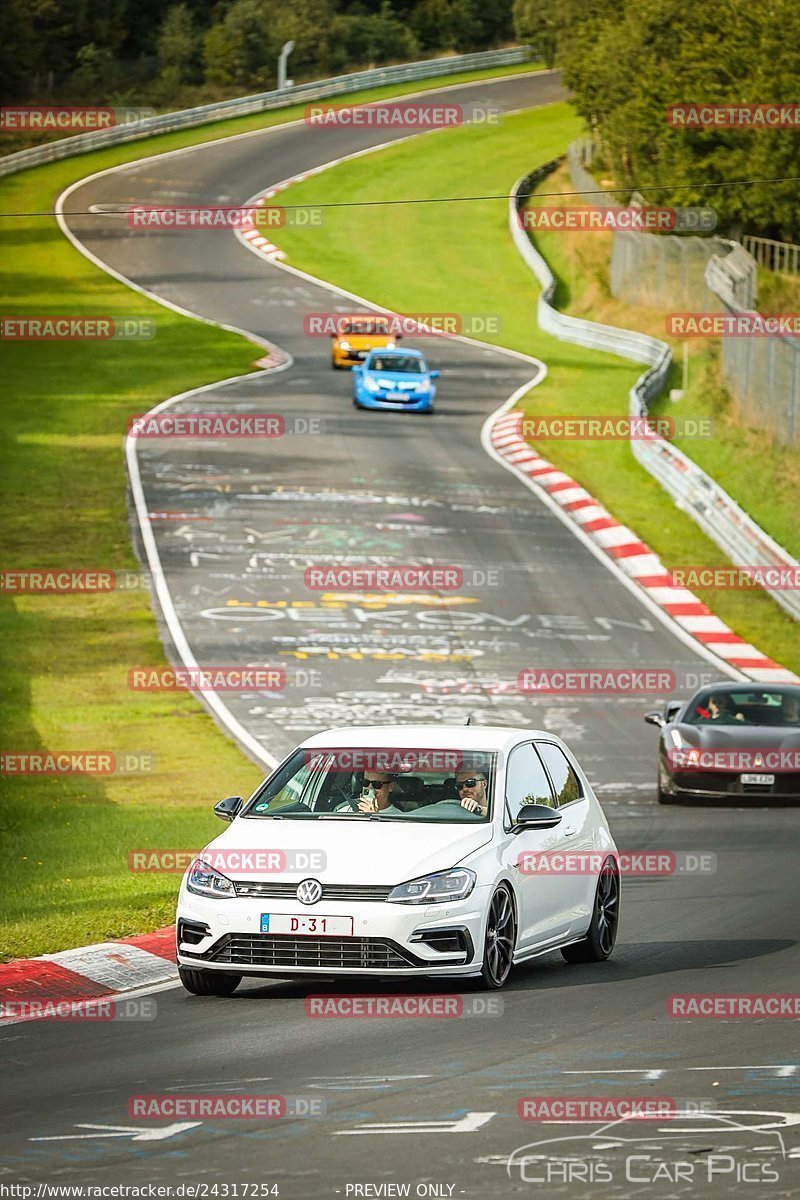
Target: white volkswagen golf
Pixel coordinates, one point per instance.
(403, 850)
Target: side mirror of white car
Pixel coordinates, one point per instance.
(228, 808)
(536, 816)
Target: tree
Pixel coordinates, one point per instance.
(538, 23)
(178, 43)
(242, 49)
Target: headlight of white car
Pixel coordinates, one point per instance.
(435, 889)
(371, 384)
(203, 880)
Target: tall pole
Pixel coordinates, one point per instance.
(286, 50)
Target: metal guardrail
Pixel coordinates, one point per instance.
(745, 542)
(320, 89)
(775, 256)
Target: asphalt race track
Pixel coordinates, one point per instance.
(431, 1102)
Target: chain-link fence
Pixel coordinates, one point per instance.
(684, 274)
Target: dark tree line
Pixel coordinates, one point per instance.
(146, 52)
(627, 63)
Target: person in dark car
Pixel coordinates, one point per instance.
(719, 708)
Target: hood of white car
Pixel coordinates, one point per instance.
(355, 850)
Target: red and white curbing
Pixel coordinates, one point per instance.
(250, 231)
(632, 555)
(98, 972)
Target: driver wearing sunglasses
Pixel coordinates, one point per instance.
(471, 788)
(376, 793)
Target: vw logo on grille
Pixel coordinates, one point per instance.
(309, 891)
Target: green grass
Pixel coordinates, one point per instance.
(459, 257)
(65, 658)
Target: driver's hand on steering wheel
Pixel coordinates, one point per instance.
(472, 806)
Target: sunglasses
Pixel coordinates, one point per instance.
(376, 783)
(468, 783)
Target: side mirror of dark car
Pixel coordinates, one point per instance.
(536, 816)
(655, 718)
(228, 808)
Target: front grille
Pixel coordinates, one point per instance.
(269, 890)
(787, 783)
(266, 950)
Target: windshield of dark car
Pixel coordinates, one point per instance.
(339, 783)
(402, 363)
(749, 706)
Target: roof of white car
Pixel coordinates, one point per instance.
(423, 737)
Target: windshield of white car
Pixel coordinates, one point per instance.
(778, 707)
(402, 364)
(443, 786)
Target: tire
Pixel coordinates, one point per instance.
(599, 942)
(499, 940)
(664, 797)
(208, 983)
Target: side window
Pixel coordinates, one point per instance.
(565, 782)
(526, 781)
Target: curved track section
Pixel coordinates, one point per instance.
(431, 1102)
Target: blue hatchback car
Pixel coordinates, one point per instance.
(394, 379)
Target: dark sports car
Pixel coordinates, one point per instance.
(731, 741)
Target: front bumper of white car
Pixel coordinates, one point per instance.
(388, 939)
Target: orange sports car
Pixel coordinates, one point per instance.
(357, 335)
